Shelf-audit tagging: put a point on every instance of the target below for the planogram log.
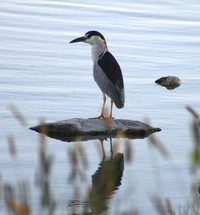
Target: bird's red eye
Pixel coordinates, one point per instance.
(88, 36)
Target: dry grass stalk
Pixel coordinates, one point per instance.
(18, 208)
(18, 205)
(18, 115)
(12, 146)
(158, 205)
(169, 207)
(156, 142)
(79, 162)
(47, 201)
(195, 128)
(193, 112)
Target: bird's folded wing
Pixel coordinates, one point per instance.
(111, 68)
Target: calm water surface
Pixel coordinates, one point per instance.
(46, 77)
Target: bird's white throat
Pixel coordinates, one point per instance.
(97, 50)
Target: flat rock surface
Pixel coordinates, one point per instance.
(79, 129)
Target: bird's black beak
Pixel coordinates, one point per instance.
(80, 39)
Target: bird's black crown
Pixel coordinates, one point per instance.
(94, 33)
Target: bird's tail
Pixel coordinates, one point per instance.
(119, 103)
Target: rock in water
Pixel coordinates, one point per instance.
(170, 82)
(78, 129)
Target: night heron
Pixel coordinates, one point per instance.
(106, 71)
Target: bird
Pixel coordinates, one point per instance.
(106, 71)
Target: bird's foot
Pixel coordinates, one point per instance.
(103, 117)
(97, 117)
(107, 117)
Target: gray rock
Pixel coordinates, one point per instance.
(78, 129)
(170, 82)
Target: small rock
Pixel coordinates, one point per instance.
(170, 82)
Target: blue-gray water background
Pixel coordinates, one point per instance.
(46, 77)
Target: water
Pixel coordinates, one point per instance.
(46, 77)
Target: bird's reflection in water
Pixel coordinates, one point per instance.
(105, 181)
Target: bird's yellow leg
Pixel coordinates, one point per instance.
(111, 110)
(103, 106)
(102, 110)
(110, 115)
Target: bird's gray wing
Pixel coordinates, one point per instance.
(112, 70)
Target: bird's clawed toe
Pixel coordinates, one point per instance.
(103, 117)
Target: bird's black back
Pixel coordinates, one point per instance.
(111, 68)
